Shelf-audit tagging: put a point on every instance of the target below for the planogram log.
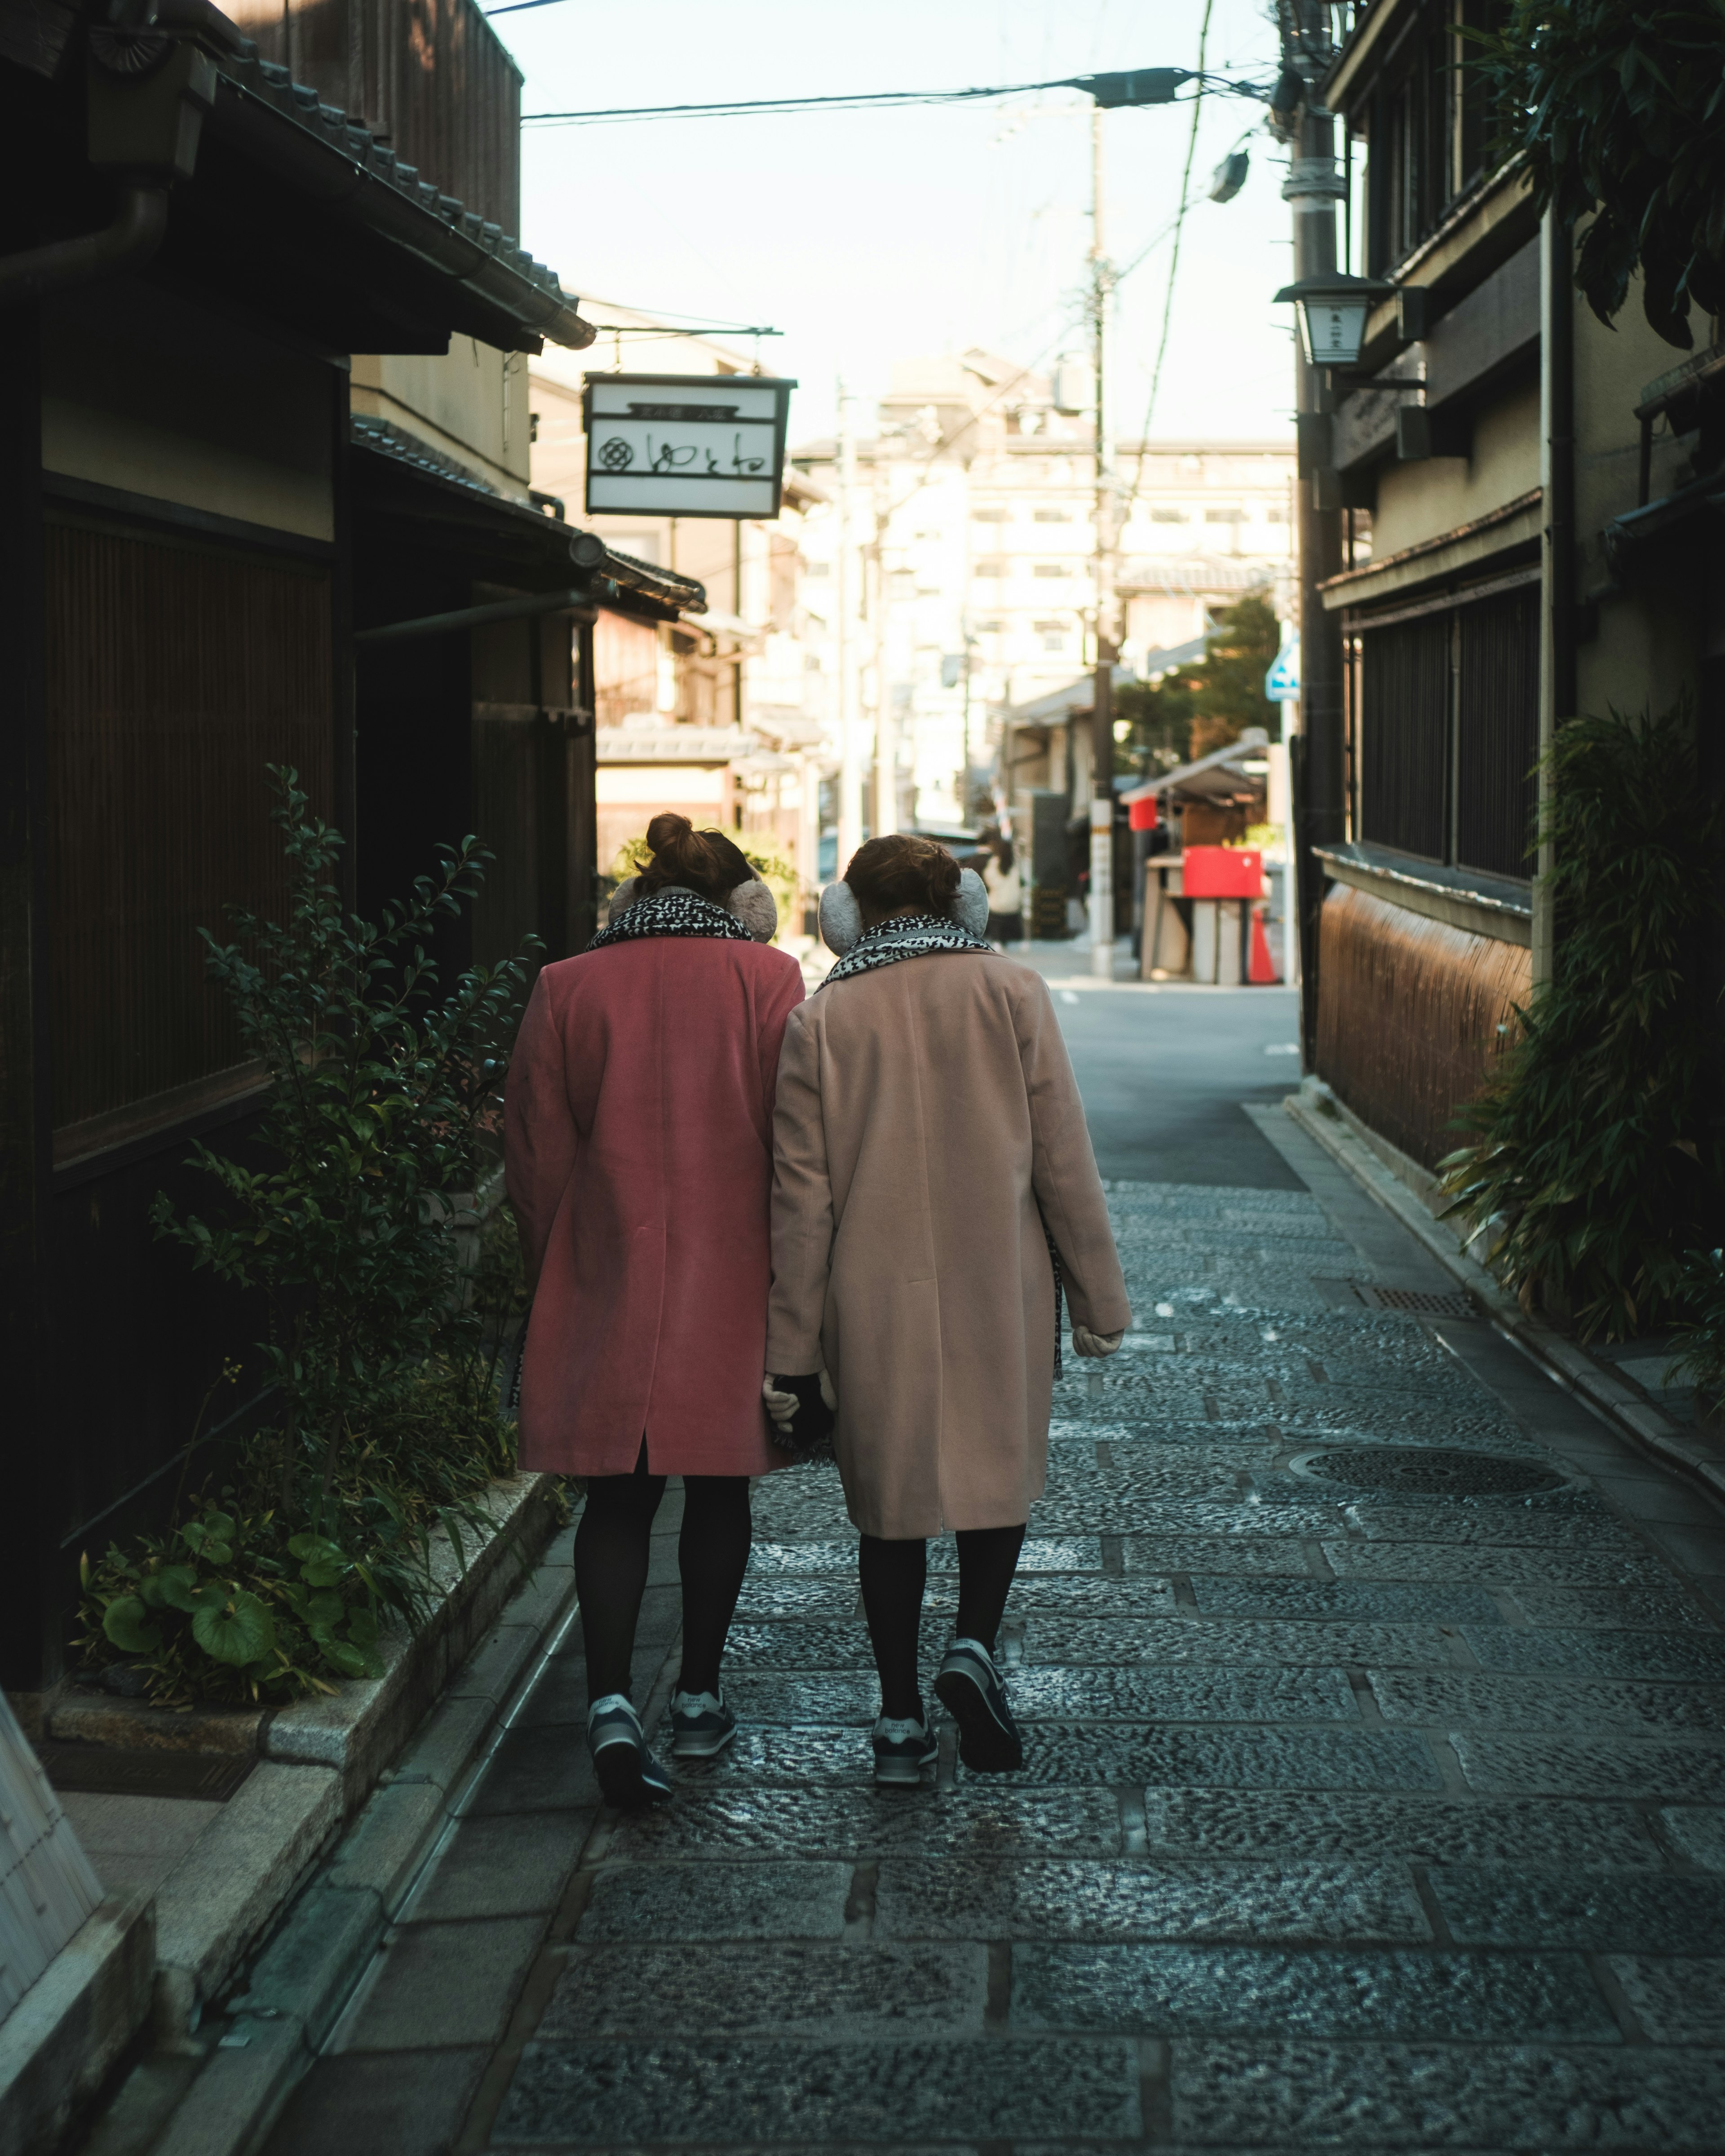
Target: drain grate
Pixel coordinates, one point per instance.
(1413, 1302)
(1428, 1470)
(100, 1771)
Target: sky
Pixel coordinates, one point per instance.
(869, 237)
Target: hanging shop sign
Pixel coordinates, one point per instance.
(686, 444)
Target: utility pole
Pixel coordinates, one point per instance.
(1101, 723)
(850, 818)
(1313, 188)
(886, 718)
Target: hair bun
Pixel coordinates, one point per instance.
(901, 870)
(704, 861)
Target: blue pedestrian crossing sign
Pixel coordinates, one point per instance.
(1281, 684)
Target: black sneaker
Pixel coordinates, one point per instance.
(902, 1749)
(630, 1777)
(969, 1688)
(701, 1724)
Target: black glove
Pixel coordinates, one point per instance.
(811, 1426)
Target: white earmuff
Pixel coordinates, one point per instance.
(840, 919)
(754, 905)
(626, 893)
(970, 908)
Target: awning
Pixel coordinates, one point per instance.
(401, 480)
(1220, 776)
(1076, 699)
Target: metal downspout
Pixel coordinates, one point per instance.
(127, 244)
(1558, 667)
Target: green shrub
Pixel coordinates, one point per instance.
(386, 1298)
(1595, 1160)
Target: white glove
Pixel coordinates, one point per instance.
(782, 1406)
(1087, 1342)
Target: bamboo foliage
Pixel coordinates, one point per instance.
(1594, 1155)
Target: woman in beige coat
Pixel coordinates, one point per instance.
(931, 1166)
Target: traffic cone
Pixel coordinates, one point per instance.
(1260, 972)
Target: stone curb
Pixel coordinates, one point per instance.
(319, 1760)
(307, 1973)
(1329, 1124)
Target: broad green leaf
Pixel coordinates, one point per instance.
(125, 1623)
(239, 1630)
(178, 1585)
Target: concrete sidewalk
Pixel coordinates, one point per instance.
(1373, 1803)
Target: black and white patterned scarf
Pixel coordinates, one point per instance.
(675, 911)
(914, 935)
(905, 936)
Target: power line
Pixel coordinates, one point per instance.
(1174, 267)
(1141, 87)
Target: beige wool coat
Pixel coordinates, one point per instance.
(924, 1110)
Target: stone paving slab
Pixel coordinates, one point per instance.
(1697, 1834)
(1388, 1601)
(1142, 1595)
(1162, 1641)
(1376, 2097)
(1535, 1766)
(673, 1902)
(1512, 1905)
(1468, 1701)
(1226, 1991)
(1501, 1564)
(812, 2094)
(1677, 2001)
(1573, 1529)
(1229, 1759)
(1245, 1823)
(981, 1819)
(1144, 1898)
(880, 1990)
(1656, 1609)
(767, 1598)
(1255, 1695)
(1218, 1554)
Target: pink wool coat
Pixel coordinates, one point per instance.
(925, 1110)
(638, 1122)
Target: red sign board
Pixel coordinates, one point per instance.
(1223, 872)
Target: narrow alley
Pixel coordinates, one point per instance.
(1374, 1701)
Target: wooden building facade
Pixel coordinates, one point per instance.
(194, 245)
(1542, 492)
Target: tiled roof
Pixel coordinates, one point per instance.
(286, 125)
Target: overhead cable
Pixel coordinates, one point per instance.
(1139, 87)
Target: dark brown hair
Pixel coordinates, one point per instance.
(706, 861)
(900, 870)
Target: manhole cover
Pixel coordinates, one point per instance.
(1428, 1470)
(1415, 1301)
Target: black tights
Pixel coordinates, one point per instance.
(893, 1577)
(612, 1546)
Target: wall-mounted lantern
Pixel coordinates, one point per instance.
(1333, 314)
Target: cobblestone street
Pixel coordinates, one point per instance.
(1371, 1802)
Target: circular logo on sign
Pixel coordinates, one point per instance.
(616, 454)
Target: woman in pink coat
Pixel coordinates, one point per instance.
(639, 1156)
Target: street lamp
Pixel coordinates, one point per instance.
(1333, 310)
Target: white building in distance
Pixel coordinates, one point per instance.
(972, 578)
